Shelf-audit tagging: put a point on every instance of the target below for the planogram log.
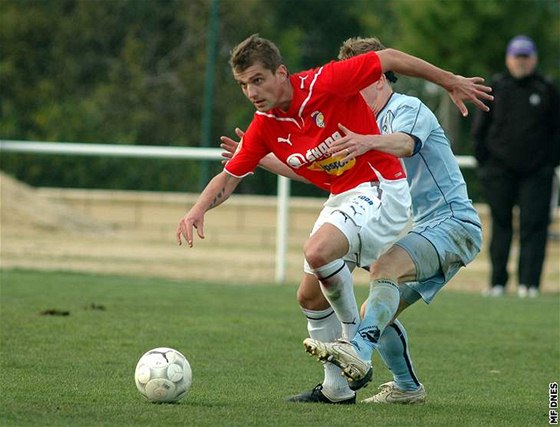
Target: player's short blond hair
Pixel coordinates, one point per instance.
(358, 45)
(255, 49)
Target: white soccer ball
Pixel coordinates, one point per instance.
(163, 375)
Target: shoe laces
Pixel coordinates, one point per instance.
(387, 387)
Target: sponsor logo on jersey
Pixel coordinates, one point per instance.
(319, 118)
(317, 158)
(333, 165)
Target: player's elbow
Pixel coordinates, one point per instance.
(408, 144)
(389, 58)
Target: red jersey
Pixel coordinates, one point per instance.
(300, 137)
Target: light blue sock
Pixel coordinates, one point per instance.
(393, 349)
(383, 302)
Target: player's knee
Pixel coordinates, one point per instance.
(310, 299)
(380, 269)
(314, 255)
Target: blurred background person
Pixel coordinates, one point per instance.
(517, 145)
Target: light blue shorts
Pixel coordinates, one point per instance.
(438, 248)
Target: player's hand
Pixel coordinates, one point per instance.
(230, 146)
(351, 145)
(190, 221)
(470, 89)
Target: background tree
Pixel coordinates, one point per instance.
(132, 71)
(470, 38)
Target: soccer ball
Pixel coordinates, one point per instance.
(163, 375)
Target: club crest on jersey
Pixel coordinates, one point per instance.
(319, 118)
(387, 123)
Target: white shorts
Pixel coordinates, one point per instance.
(372, 216)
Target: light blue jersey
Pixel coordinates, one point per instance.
(444, 217)
(436, 183)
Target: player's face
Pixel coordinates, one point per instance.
(265, 89)
(521, 66)
(376, 94)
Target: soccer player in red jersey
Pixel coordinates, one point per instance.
(297, 119)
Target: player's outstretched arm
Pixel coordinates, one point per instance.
(216, 192)
(460, 89)
(270, 162)
(353, 144)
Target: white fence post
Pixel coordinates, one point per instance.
(282, 228)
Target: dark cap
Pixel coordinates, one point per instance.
(521, 46)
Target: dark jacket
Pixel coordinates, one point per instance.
(522, 130)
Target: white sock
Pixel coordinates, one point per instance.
(324, 326)
(338, 288)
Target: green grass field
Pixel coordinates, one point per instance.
(484, 362)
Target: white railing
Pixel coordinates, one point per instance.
(161, 152)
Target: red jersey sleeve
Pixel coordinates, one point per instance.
(347, 77)
(250, 151)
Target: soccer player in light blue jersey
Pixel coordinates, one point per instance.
(445, 236)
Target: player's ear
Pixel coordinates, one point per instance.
(381, 82)
(282, 72)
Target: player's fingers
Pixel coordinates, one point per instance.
(461, 106)
(228, 150)
(481, 105)
(189, 236)
(483, 88)
(229, 146)
(343, 128)
(239, 132)
(485, 95)
(345, 154)
(184, 231)
(226, 140)
(178, 236)
(338, 150)
(477, 79)
(348, 155)
(200, 230)
(338, 144)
